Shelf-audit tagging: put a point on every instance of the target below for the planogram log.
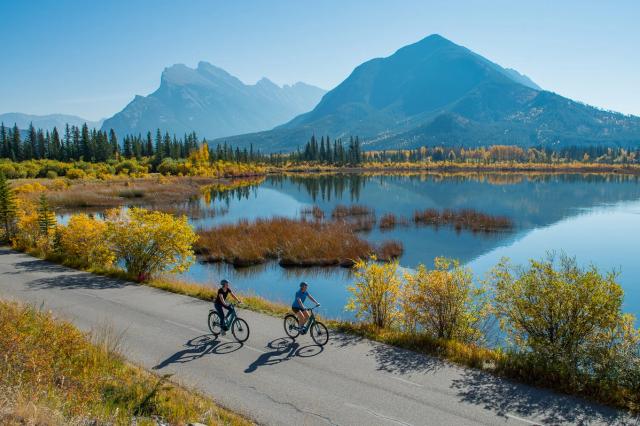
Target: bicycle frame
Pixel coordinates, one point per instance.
(230, 317)
(310, 321)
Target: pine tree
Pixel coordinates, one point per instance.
(7, 208)
(46, 217)
(55, 149)
(41, 148)
(16, 144)
(4, 142)
(114, 147)
(85, 144)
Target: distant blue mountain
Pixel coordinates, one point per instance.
(45, 122)
(213, 103)
(437, 92)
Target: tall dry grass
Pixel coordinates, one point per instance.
(466, 219)
(53, 374)
(289, 241)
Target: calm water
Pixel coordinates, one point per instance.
(595, 218)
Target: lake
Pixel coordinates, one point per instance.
(593, 217)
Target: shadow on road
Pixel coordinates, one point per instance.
(198, 347)
(390, 358)
(283, 349)
(505, 397)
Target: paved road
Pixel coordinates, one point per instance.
(276, 381)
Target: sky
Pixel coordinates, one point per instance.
(90, 58)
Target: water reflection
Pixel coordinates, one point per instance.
(534, 202)
(594, 216)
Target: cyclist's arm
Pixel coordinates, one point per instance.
(300, 303)
(312, 299)
(235, 297)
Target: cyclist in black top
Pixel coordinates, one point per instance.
(221, 301)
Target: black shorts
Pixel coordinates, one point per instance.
(296, 310)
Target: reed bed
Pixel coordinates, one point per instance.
(313, 211)
(341, 211)
(465, 219)
(113, 193)
(291, 242)
(389, 221)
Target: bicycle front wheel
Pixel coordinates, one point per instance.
(240, 330)
(214, 323)
(291, 326)
(319, 333)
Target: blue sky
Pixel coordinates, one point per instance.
(90, 58)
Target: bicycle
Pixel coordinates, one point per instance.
(319, 332)
(239, 327)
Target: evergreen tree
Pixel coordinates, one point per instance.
(30, 145)
(16, 144)
(85, 144)
(7, 208)
(55, 147)
(114, 147)
(46, 217)
(41, 150)
(4, 142)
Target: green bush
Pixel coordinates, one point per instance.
(567, 319)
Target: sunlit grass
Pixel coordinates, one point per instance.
(291, 242)
(53, 374)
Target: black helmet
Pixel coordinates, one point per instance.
(302, 284)
(223, 282)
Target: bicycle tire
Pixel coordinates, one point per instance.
(240, 330)
(319, 333)
(214, 323)
(290, 326)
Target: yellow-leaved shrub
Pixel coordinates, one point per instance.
(149, 242)
(83, 239)
(375, 292)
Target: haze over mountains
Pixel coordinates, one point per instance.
(213, 103)
(437, 92)
(45, 122)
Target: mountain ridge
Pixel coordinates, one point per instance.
(46, 121)
(212, 102)
(437, 92)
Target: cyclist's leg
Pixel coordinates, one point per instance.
(300, 314)
(220, 311)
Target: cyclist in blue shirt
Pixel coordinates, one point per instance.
(298, 304)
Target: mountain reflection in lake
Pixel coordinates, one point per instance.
(594, 217)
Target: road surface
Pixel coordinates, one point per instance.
(276, 381)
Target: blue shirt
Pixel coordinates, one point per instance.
(299, 295)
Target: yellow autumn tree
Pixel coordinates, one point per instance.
(27, 231)
(444, 302)
(149, 242)
(83, 240)
(375, 292)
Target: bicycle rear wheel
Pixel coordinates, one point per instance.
(214, 323)
(319, 333)
(291, 326)
(240, 330)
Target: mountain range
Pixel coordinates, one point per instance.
(433, 92)
(437, 92)
(45, 122)
(213, 103)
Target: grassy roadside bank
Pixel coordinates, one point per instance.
(53, 374)
(458, 167)
(503, 363)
